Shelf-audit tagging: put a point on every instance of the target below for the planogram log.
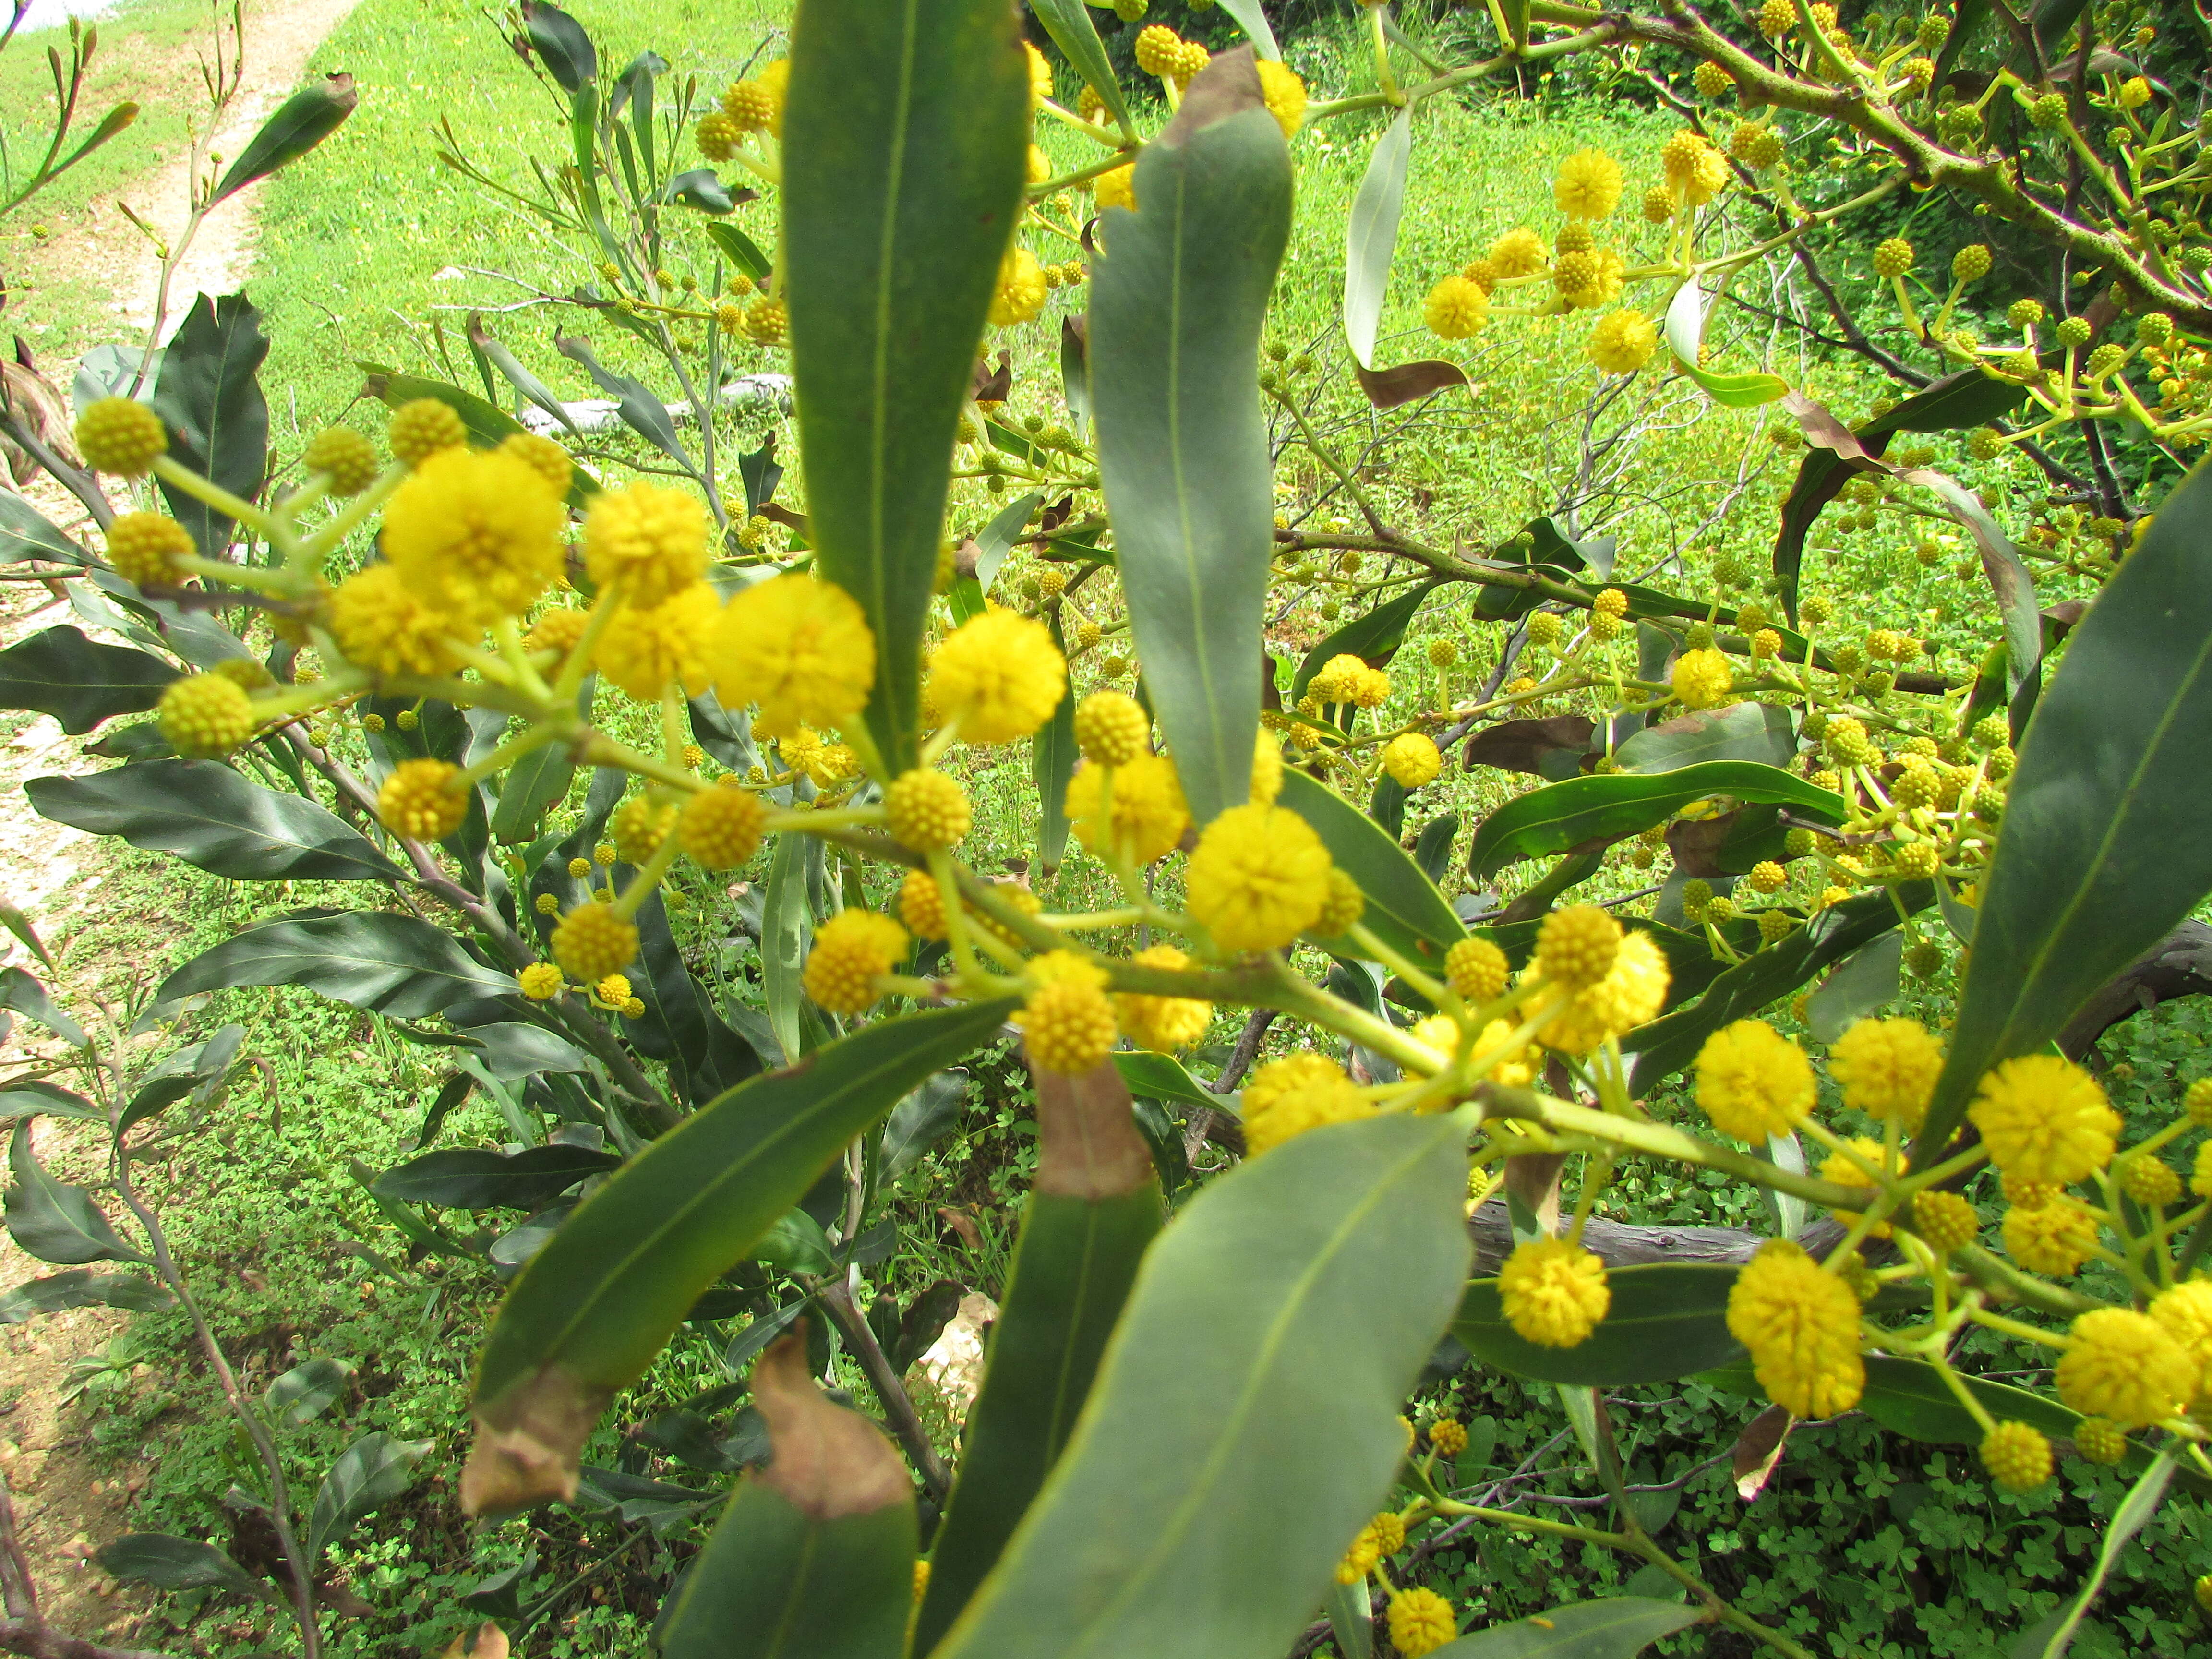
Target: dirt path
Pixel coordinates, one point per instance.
(69, 1499)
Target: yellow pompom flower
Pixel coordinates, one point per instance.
(421, 801)
(421, 427)
(388, 624)
(1887, 1069)
(1067, 1020)
(1448, 1435)
(852, 951)
(798, 647)
(998, 675)
(1519, 253)
(1696, 170)
(921, 905)
(1456, 308)
(2184, 1314)
(591, 942)
(557, 630)
(2049, 1237)
(1702, 679)
(1148, 816)
(542, 455)
(1288, 1096)
(1633, 992)
(1754, 1082)
(1622, 342)
(1843, 1170)
(1040, 74)
(1575, 947)
(651, 540)
(643, 650)
(1588, 184)
(1476, 970)
(2122, 1365)
(1421, 1621)
(1161, 1024)
(1111, 728)
(541, 982)
(1411, 760)
(483, 527)
(2017, 1457)
(144, 547)
(1554, 1292)
(2044, 1119)
(1266, 769)
(1802, 1327)
(1020, 294)
(720, 828)
(206, 715)
(1259, 878)
(1337, 680)
(120, 435)
(926, 810)
(1285, 94)
(1116, 188)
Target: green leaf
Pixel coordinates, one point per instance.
(2133, 1514)
(472, 1178)
(301, 122)
(531, 784)
(1373, 638)
(1618, 1627)
(1371, 235)
(1585, 814)
(170, 1563)
(1068, 22)
(894, 228)
(27, 533)
(740, 249)
(196, 1072)
(2102, 851)
(60, 672)
(1162, 1077)
(208, 395)
(2008, 574)
(1686, 327)
(1404, 909)
(35, 1096)
(786, 921)
(1052, 763)
(1072, 1271)
(374, 1470)
(640, 409)
(1667, 1320)
(210, 817)
(82, 1288)
(920, 1122)
(1253, 22)
(595, 1305)
(488, 425)
(510, 366)
(1176, 305)
(1869, 980)
(388, 964)
(1243, 1424)
(1742, 731)
(22, 995)
(1351, 1617)
(1671, 1042)
(306, 1391)
(51, 1220)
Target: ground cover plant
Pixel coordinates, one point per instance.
(991, 634)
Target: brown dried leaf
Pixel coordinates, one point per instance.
(962, 1223)
(1533, 1178)
(1088, 1145)
(1387, 388)
(1759, 1450)
(1521, 745)
(528, 1442)
(1695, 843)
(828, 1461)
(1228, 86)
(490, 1643)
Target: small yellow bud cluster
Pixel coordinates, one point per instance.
(721, 827)
(1476, 969)
(2017, 1457)
(591, 942)
(541, 982)
(206, 715)
(1067, 1021)
(144, 547)
(343, 457)
(1111, 728)
(927, 810)
(1893, 257)
(120, 435)
(1945, 1220)
(852, 951)
(423, 800)
(421, 427)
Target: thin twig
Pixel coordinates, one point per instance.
(835, 1297)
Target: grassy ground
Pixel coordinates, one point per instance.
(1865, 1543)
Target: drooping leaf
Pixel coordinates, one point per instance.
(170, 1563)
(28, 533)
(921, 1120)
(389, 964)
(1742, 731)
(308, 1390)
(1686, 327)
(208, 395)
(1068, 22)
(210, 817)
(681, 1026)
(1371, 235)
(1586, 813)
(488, 425)
(22, 995)
(1176, 311)
(53, 1220)
(2100, 855)
(301, 122)
(1617, 1627)
(594, 1305)
(80, 1287)
(1052, 763)
(740, 249)
(372, 1471)
(194, 1073)
(1162, 1077)
(641, 410)
(510, 366)
(560, 45)
(1671, 1042)
(1243, 1424)
(60, 671)
(2006, 572)
(1667, 1320)
(894, 228)
(1404, 909)
(471, 1178)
